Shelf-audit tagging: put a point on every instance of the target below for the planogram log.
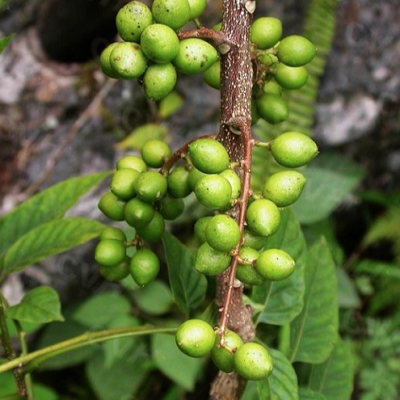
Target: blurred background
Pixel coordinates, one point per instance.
(60, 117)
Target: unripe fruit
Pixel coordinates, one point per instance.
(197, 7)
(272, 87)
(194, 176)
(284, 188)
(123, 183)
(150, 186)
(173, 13)
(273, 108)
(211, 262)
(263, 217)
(200, 228)
(154, 230)
(236, 185)
(195, 338)
(178, 183)
(128, 61)
(291, 78)
(209, 156)
(247, 273)
(275, 265)
(132, 162)
(268, 59)
(171, 209)
(106, 62)
(213, 75)
(195, 56)
(222, 233)
(159, 43)
(213, 191)
(155, 153)
(266, 32)
(112, 207)
(253, 362)
(113, 233)
(293, 149)
(115, 273)
(159, 80)
(223, 355)
(110, 252)
(138, 213)
(144, 266)
(296, 51)
(254, 241)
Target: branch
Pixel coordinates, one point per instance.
(218, 38)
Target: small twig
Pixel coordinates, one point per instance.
(217, 37)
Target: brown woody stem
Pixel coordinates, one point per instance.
(218, 38)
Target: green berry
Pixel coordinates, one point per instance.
(159, 43)
(112, 207)
(263, 217)
(155, 153)
(272, 87)
(195, 56)
(159, 80)
(213, 191)
(194, 176)
(223, 355)
(132, 162)
(247, 273)
(253, 362)
(213, 75)
(291, 78)
(138, 213)
(275, 265)
(284, 188)
(266, 32)
(200, 228)
(236, 185)
(296, 51)
(154, 230)
(197, 7)
(209, 156)
(144, 266)
(150, 186)
(222, 233)
(173, 13)
(132, 20)
(195, 338)
(254, 241)
(293, 149)
(116, 272)
(106, 62)
(178, 183)
(273, 108)
(211, 262)
(113, 233)
(128, 61)
(110, 252)
(123, 183)
(171, 209)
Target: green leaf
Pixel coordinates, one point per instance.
(330, 179)
(49, 239)
(188, 285)
(5, 41)
(40, 305)
(378, 268)
(314, 331)
(155, 298)
(283, 301)
(170, 104)
(308, 394)
(7, 384)
(142, 135)
(49, 204)
(347, 293)
(44, 393)
(334, 378)
(100, 310)
(180, 368)
(251, 392)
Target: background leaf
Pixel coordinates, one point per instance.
(347, 292)
(330, 179)
(170, 104)
(49, 204)
(378, 268)
(5, 41)
(142, 135)
(155, 298)
(40, 305)
(308, 394)
(188, 285)
(314, 331)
